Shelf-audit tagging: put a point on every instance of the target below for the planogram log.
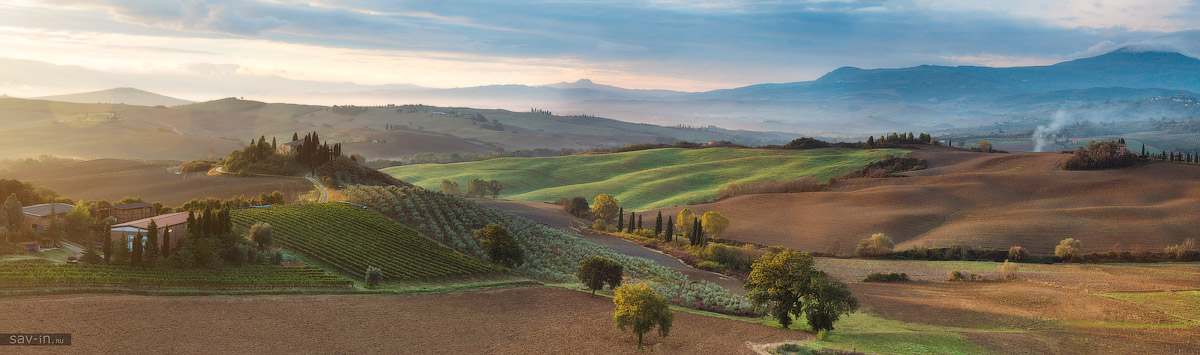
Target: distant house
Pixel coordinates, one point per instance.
(174, 222)
(31, 247)
(129, 211)
(289, 147)
(38, 217)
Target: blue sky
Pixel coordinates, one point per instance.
(668, 44)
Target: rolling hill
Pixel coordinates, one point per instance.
(642, 179)
(975, 199)
(128, 96)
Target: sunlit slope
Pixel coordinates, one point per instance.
(643, 179)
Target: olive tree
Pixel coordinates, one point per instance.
(500, 246)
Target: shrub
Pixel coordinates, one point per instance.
(1181, 251)
(374, 275)
(956, 275)
(888, 277)
(877, 245)
(1017, 253)
(1098, 156)
(1069, 249)
(985, 147)
(1008, 270)
(889, 166)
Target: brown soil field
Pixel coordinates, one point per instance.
(519, 320)
(113, 179)
(976, 199)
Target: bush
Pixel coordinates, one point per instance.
(888, 277)
(1099, 156)
(1017, 253)
(374, 275)
(1181, 252)
(1069, 249)
(889, 166)
(875, 246)
(956, 275)
(1008, 270)
(805, 184)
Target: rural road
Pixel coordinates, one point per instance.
(172, 127)
(553, 216)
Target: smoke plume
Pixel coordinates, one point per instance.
(1045, 134)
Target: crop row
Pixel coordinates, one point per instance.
(23, 274)
(350, 239)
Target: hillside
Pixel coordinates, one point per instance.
(642, 179)
(974, 199)
(113, 179)
(128, 96)
(349, 239)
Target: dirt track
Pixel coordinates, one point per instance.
(976, 199)
(522, 320)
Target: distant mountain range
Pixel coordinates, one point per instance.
(846, 101)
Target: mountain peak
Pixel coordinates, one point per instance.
(584, 81)
(120, 95)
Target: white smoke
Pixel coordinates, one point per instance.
(1045, 134)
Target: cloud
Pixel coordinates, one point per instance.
(220, 16)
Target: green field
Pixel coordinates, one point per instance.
(349, 239)
(643, 179)
(50, 274)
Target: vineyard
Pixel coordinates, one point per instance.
(551, 254)
(349, 239)
(45, 274)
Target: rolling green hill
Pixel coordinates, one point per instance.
(349, 239)
(642, 179)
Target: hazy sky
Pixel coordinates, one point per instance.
(669, 44)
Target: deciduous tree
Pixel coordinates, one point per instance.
(714, 223)
(597, 271)
(683, 222)
(606, 209)
(640, 309)
(261, 234)
(500, 246)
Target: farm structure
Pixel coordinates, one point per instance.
(39, 217)
(176, 223)
(129, 211)
(289, 147)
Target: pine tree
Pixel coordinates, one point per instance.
(670, 229)
(658, 224)
(621, 220)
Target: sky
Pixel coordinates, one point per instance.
(642, 44)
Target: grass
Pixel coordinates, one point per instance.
(643, 179)
(1180, 304)
(56, 255)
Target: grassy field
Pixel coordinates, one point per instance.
(643, 179)
(349, 239)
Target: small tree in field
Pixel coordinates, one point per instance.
(606, 209)
(374, 275)
(1008, 270)
(1017, 253)
(985, 147)
(827, 300)
(500, 246)
(451, 188)
(597, 271)
(877, 245)
(1069, 249)
(714, 223)
(261, 234)
(786, 281)
(640, 309)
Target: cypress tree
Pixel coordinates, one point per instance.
(621, 220)
(658, 224)
(295, 136)
(166, 244)
(151, 241)
(670, 228)
(871, 141)
(274, 147)
(1143, 150)
(135, 256)
(631, 222)
(640, 221)
(108, 248)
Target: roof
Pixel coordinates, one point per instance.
(295, 142)
(164, 220)
(130, 206)
(44, 209)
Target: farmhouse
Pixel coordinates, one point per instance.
(289, 147)
(176, 223)
(129, 211)
(38, 217)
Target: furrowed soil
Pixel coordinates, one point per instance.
(518, 320)
(977, 199)
(113, 179)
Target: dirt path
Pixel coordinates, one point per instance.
(519, 320)
(324, 193)
(553, 216)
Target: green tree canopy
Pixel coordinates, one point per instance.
(500, 246)
(597, 271)
(640, 309)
